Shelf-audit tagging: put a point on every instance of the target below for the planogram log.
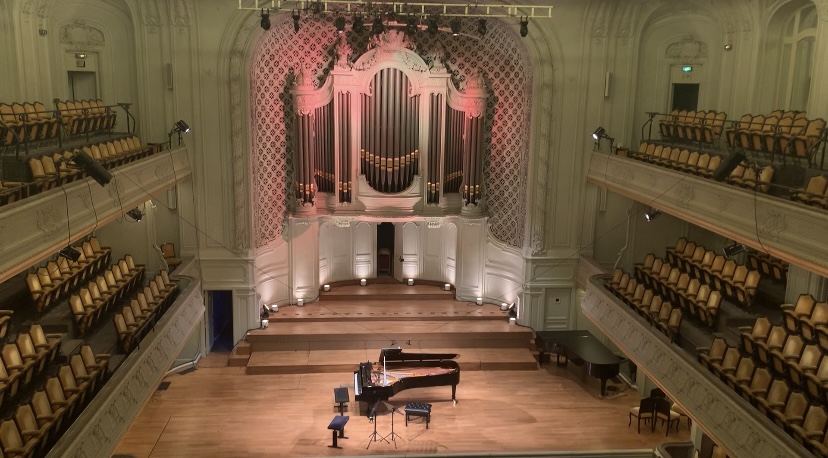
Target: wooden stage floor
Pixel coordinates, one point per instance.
(220, 412)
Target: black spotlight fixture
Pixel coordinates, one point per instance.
(433, 25)
(358, 25)
(733, 249)
(135, 214)
(265, 19)
(296, 20)
(181, 126)
(524, 26)
(92, 167)
(339, 23)
(410, 25)
(70, 253)
(455, 26)
(724, 169)
(377, 27)
(481, 26)
(512, 311)
(599, 133)
(651, 215)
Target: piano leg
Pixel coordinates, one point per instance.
(454, 394)
(603, 387)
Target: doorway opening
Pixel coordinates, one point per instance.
(83, 85)
(385, 249)
(221, 321)
(685, 96)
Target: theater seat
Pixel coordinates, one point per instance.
(12, 442)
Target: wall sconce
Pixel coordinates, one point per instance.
(447, 287)
(300, 302)
(479, 301)
(512, 320)
(504, 306)
(410, 282)
(265, 324)
(363, 282)
(326, 288)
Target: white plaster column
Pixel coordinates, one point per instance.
(818, 100)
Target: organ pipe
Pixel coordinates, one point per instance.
(390, 130)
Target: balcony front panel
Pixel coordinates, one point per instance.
(786, 230)
(35, 228)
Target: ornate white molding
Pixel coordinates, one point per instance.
(782, 228)
(688, 48)
(105, 420)
(587, 268)
(79, 33)
(47, 212)
(719, 411)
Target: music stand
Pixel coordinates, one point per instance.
(392, 435)
(375, 437)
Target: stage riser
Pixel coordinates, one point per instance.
(384, 297)
(344, 368)
(454, 342)
(384, 317)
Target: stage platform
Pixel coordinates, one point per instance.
(331, 337)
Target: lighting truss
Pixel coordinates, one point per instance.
(441, 9)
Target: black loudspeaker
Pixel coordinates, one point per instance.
(92, 168)
(724, 169)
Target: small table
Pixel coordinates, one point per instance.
(418, 409)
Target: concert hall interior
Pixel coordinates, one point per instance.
(500, 228)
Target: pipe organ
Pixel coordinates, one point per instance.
(369, 133)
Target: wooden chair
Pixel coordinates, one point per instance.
(666, 415)
(758, 386)
(757, 333)
(712, 354)
(13, 444)
(776, 398)
(645, 411)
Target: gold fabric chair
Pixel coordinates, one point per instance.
(168, 250)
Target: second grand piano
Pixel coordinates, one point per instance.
(582, 348)
(396, 371)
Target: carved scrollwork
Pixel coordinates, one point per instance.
(684, 193)
(79, 33)
(687, 48)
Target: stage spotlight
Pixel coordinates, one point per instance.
(181, 126)
(265, 19)
(481, 26)
(512, 312)
(358, 26)
(377, 27)
(92, 167)
(410, 24)
(70, 253)
(722, 172)
(524, 26)
(433, 25)
(599, 133)
(455, 27)
(135, 214)
(651, 215)
(732, 250)
(339, 23)
(296, 20)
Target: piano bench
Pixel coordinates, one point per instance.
(418, 409)
(338, 424)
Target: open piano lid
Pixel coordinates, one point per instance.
(397, 354)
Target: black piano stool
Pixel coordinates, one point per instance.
(338, 424)
(418, 409)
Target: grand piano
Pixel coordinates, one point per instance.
(582, 348)
(396, 371)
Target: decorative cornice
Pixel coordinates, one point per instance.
(90, 206)
(105, 420)
(780, 227)
(715, 408)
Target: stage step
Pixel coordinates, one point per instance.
(240, 355)
(364, 335)
(385, 292)
(339, 361)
